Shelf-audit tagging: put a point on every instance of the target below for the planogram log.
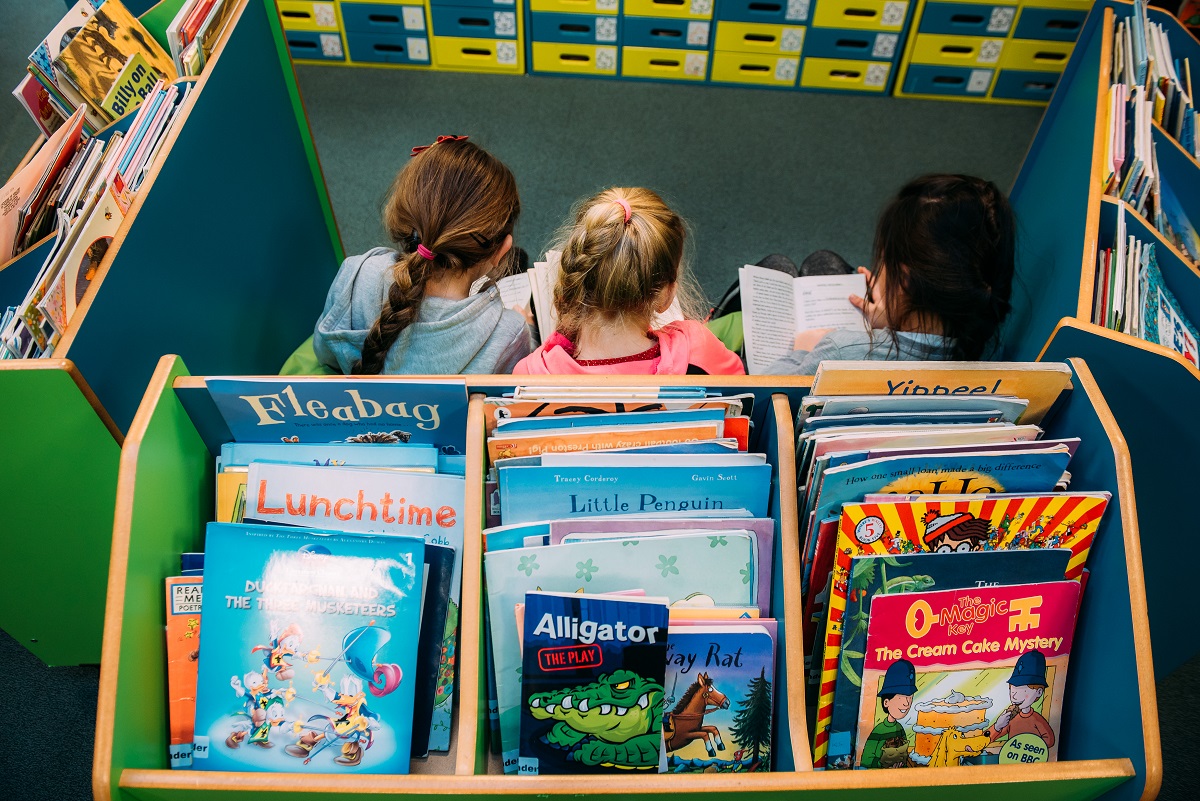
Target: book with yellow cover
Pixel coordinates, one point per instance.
(533, 443)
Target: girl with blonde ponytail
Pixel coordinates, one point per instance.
(450, 214)
(621, 268)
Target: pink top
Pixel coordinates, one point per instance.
(682, 344)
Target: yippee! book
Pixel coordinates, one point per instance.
(308, 661)
(592, 684)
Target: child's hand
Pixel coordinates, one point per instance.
(871, 306)
(527, 313)
(807, 340)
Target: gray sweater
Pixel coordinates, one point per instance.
(449, 337)
(860, 345)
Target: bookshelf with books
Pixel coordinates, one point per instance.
(1068, 224)
(1112, 750)
(143, 297)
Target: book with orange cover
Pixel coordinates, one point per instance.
(184, 594)
(533, 443)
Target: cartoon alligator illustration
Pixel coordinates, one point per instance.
(615, 721)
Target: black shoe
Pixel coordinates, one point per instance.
(825, 262)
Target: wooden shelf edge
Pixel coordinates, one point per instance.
(1193, 266)
(1117, 336)
(1091, 229)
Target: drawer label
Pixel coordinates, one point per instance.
(876, 74)
(698, 33)
(606, 5)
(885, 45)
(797, 10)
(695, 64)
(331, 45)
(606, 29)
(702, 7)
(506, 53)
(786, 68)
(1001, 19)
(418, 48)
(893, 14)
(606, 59)
(792, 40)
(979, 81)
(414, 18)
(323, 14)
(506, 23)
(989, 51)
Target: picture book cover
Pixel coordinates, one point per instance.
(687, 570)
(547, 493)
(309, 652)
(904, 527)
(592, 684)
(297, 409)
(505, 445)
(720, 690)
(184, 594)
(511, 425)
(872, 576)
(339, 454)
(1010, 408)
(966, 677)
(372, 501)
(433, 685)
(497, 409)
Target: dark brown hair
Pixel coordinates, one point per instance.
(947, 244)
(458, 201)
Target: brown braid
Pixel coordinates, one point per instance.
(400, 309)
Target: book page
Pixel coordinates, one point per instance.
(515, 291)
(823, 301)
(768, 315)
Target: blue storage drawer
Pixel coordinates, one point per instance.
(772, 11)
(1050, 24)
(967, 19)
(1025, 85)
(926, 79)
(856, 44)
(387, 48)
(379, 18)
(574, 28)
(315, 46)
(676, 34)
(473, 22)
(511, 5)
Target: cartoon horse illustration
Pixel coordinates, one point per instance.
(685, 722)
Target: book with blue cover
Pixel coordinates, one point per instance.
(592, 684)
(513, 424)
(298, 409)
(548, 493)
(871, 576)
(372, 501)
(309, 655)
(332, 454)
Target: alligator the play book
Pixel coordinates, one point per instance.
(592, 683)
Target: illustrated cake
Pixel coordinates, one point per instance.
(967, 714)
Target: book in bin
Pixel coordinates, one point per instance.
(309, 654)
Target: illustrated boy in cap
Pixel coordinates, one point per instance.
(895, 696)
(957, 531)
(1025, 687)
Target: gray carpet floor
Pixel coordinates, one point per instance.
(752, 171)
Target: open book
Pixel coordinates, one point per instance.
(776, 307)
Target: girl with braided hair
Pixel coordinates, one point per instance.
(621, 267)
(450, 214)
(944, 260)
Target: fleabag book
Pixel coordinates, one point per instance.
(965, 677)
(309, 654)
(592, 684)
(720, 690)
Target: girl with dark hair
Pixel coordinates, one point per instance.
(450, 214)
(943, 270)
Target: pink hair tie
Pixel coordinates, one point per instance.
(624, 204)
(426, 253)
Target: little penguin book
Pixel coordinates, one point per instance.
(592, 684)
(308, 660)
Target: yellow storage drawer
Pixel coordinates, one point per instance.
(958, 51)
(302, 15)
(1071, 5)
(875, 15)
(762, 69)
(576, 6)
(670, 9)
(483, 55)
(1036, 54)
(845, 74)
(664, 63)
(757, 37)
(586, 59)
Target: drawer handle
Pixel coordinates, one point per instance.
(1047, 56)
(574, 57)
(861, 12)
(754, 68)
(667, 2)
(296, 14)
(467, 22)
(301, 43)
(1062, 24)
(1039, 86)
(957, 50)
(665, 63)
(384, 47)
(669, 33)
(477, 51)
(765, 38)
(854, 44)
(966, 19)
(386, 19)
(770, 8)
(845, 75)
(574, 27)
(953, 80)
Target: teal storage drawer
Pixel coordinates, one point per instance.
(387, 48)
(379, 18)
(926, 79)
(856, 44)
(1051, 24)
(1025, 85)
(497, 4)
(678, 34)
(967, 19)
(472, 22)
(315, 46)
(575, 28)
(776, 12)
